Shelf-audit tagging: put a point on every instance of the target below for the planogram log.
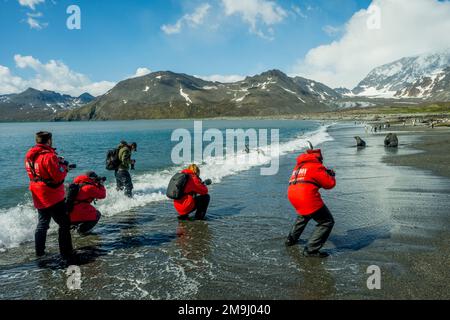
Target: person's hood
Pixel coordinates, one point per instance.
(311, 156)
(187, 171)
(39, 148)
(83, 179)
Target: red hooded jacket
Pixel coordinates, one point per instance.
(90, 190)
(41, 162)
(193, 186)
(307, 178)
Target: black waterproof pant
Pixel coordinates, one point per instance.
(85, 227)
(325, 223)
(123, 181)
(59, 214)
(201, 206)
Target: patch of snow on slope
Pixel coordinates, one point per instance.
(294, 93)
(377, 93)
(185, 96)
(355, 104)
(266, 83)
(290, 91)
(426, 91)
(241, 98)
(146, 88)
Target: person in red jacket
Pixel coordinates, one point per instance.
(83, 215)
(47, 172)
(307, 178)
(195, 198)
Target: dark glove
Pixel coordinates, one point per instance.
(207, 182)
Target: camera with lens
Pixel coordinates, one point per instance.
(66, 163)
(100, 179)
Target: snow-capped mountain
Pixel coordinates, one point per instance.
(167, 94)
(343, 91)
(421, 76)
(34, 104)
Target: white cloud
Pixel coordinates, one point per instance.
(298, 11)
(33, 21)
(8, 82)
(30, 3)
(172, 28)
(407, 28)
(53, 75)
(140, 72)
(256, 12)
(33, 18)
(222, 78)
(193, 19)
(331, 31)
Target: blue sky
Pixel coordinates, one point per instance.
(117, 37)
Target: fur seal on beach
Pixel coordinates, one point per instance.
(391, 141)
(360, 143)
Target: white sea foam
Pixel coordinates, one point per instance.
(17, 223)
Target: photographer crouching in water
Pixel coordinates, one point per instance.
(189, 193)
(84, 190)
(308, 177)
(47, 172)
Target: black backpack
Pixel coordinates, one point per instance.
(175, 189)
(112, 159)
(72, 193)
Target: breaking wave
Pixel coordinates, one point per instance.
(17, 223)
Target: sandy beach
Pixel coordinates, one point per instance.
(434, 147)
(417, 249)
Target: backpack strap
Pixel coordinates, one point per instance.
(36, 178)
(80, 186)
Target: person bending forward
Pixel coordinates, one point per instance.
(307, 178)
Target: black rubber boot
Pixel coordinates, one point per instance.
(290, 241)
(315, 254)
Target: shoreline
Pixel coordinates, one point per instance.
(431, 150)
(377, 114)
(403, 194)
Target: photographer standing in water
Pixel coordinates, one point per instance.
(122, 173)
(84, 190)
(308, 177)
(47, 172)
